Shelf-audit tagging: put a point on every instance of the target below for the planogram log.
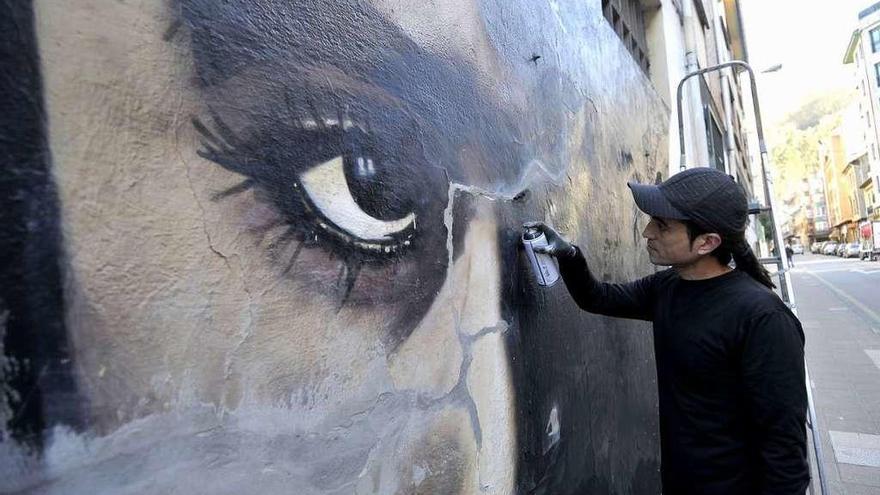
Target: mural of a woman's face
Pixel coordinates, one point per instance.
(290, 235)
(300, 258)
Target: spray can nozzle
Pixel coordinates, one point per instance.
(531, 233)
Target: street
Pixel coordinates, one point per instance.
(838, 302)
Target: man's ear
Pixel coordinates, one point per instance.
(706, 243)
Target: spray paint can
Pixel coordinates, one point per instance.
(544, 266)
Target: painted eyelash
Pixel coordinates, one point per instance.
(214, 154)
(221, 147)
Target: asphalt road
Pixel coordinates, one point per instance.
(838, 302)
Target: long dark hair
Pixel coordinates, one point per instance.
(734, 247)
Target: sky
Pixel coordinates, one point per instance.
(809, 38)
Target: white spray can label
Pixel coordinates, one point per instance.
(544, 266)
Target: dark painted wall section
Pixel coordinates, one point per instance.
(37, 388)
(585, 384)
(292, 247)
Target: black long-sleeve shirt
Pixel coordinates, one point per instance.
(730, 373)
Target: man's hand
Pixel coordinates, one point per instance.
(556, 244)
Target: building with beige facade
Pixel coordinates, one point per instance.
(839, 192)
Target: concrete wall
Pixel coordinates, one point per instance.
(272, 246)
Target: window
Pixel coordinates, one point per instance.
(877, 73)
(715, 141)
(875, 40)
(714, 137)
(628, 21)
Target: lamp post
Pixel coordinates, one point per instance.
(772, 68)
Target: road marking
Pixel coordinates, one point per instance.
(843, 295)
(840, 270)
(838, 308)
(860, 449)
(830, 260)
(874, 354)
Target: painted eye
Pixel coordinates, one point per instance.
(333, 185)
(329, 187)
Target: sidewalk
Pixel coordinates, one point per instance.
(843, 357)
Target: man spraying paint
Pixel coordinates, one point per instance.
(729, 353)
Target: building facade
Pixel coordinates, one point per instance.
(807, 219)
(840, 194)
(863, 55)
(687, 35)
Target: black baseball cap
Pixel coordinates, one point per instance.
(708, 197)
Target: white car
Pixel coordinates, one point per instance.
(797, 248)
(852, 250)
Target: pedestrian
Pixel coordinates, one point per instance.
(789, 253)
(729, 353)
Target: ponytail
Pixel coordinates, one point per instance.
(734, 247)
(746, 261)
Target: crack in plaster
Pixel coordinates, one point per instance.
(530, 175)
(459, 393)
(245, 332)
(467, 342)
(455, 187)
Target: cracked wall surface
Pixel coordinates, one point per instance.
(285, 240)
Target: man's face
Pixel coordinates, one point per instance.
(668, 242)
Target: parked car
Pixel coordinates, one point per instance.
(829, 247)
(816, 247)
(852, 250)
(797, 248)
